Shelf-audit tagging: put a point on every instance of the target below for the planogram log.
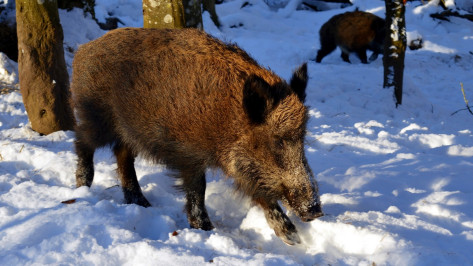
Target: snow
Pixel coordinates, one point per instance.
(395, 183)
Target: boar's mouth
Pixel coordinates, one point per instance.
(314, 212)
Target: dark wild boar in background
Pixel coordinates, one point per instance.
(189, 101)
(353, 32)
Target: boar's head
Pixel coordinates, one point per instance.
(269, 163)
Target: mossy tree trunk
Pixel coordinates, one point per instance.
(172, 14)
(163, 14)
(44, 81)
(395, 47)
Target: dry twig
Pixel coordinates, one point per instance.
(466, 102)
(465, 99)
(8, 88)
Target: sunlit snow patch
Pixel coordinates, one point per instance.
(357, 243)
(459, 150)
(380, 145)
(433, 140)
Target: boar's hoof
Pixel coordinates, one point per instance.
(373, 57)
(83, 182)
(289, 238)
(138, 200)
(203, 224)
(143, 202)
(287, 232)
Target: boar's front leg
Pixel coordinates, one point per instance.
(345, 57)
(126, 172)
(373, 56)
(362, 55)
(279, 222)
(194, 185)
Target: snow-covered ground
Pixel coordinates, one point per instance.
(396, 184)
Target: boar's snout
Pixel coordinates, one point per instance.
(305, 201)
(313, 212)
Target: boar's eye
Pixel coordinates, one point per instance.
(278, 153)
(279, 143)
(255, 146)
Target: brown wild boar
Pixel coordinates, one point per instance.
(353, 32)
(191, 102)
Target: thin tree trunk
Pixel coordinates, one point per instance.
(44, 81)
(163, 14)
(209, 6)
(395, 47)
(193, 13)
(337, 1)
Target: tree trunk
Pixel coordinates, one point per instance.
(209, 6)
(8, 40)
(394, 47)
(44, 81)
(193, 13)
(163, 14)
(87, 5)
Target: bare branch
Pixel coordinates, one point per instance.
(445, 15)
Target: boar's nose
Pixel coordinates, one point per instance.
(314, 212)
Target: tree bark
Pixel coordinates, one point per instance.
(44, 81)
(209, 6)
(394, 47)
(337, 1)
(8, 40)
(87, 5)
(193, 13)
(163, 14)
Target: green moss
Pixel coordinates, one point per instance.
(163, 14)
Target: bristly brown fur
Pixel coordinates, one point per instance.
(356, 31)
(192, 102)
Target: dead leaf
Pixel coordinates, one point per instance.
(69, 201)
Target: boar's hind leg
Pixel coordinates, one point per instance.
(85, 164)
(278, 220)
(327, 46)
(194, 186)
(126, 172)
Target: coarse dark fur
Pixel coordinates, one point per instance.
(189, 101)
(356, 31)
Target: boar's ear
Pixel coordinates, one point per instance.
(257, 99)
(299, 81)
